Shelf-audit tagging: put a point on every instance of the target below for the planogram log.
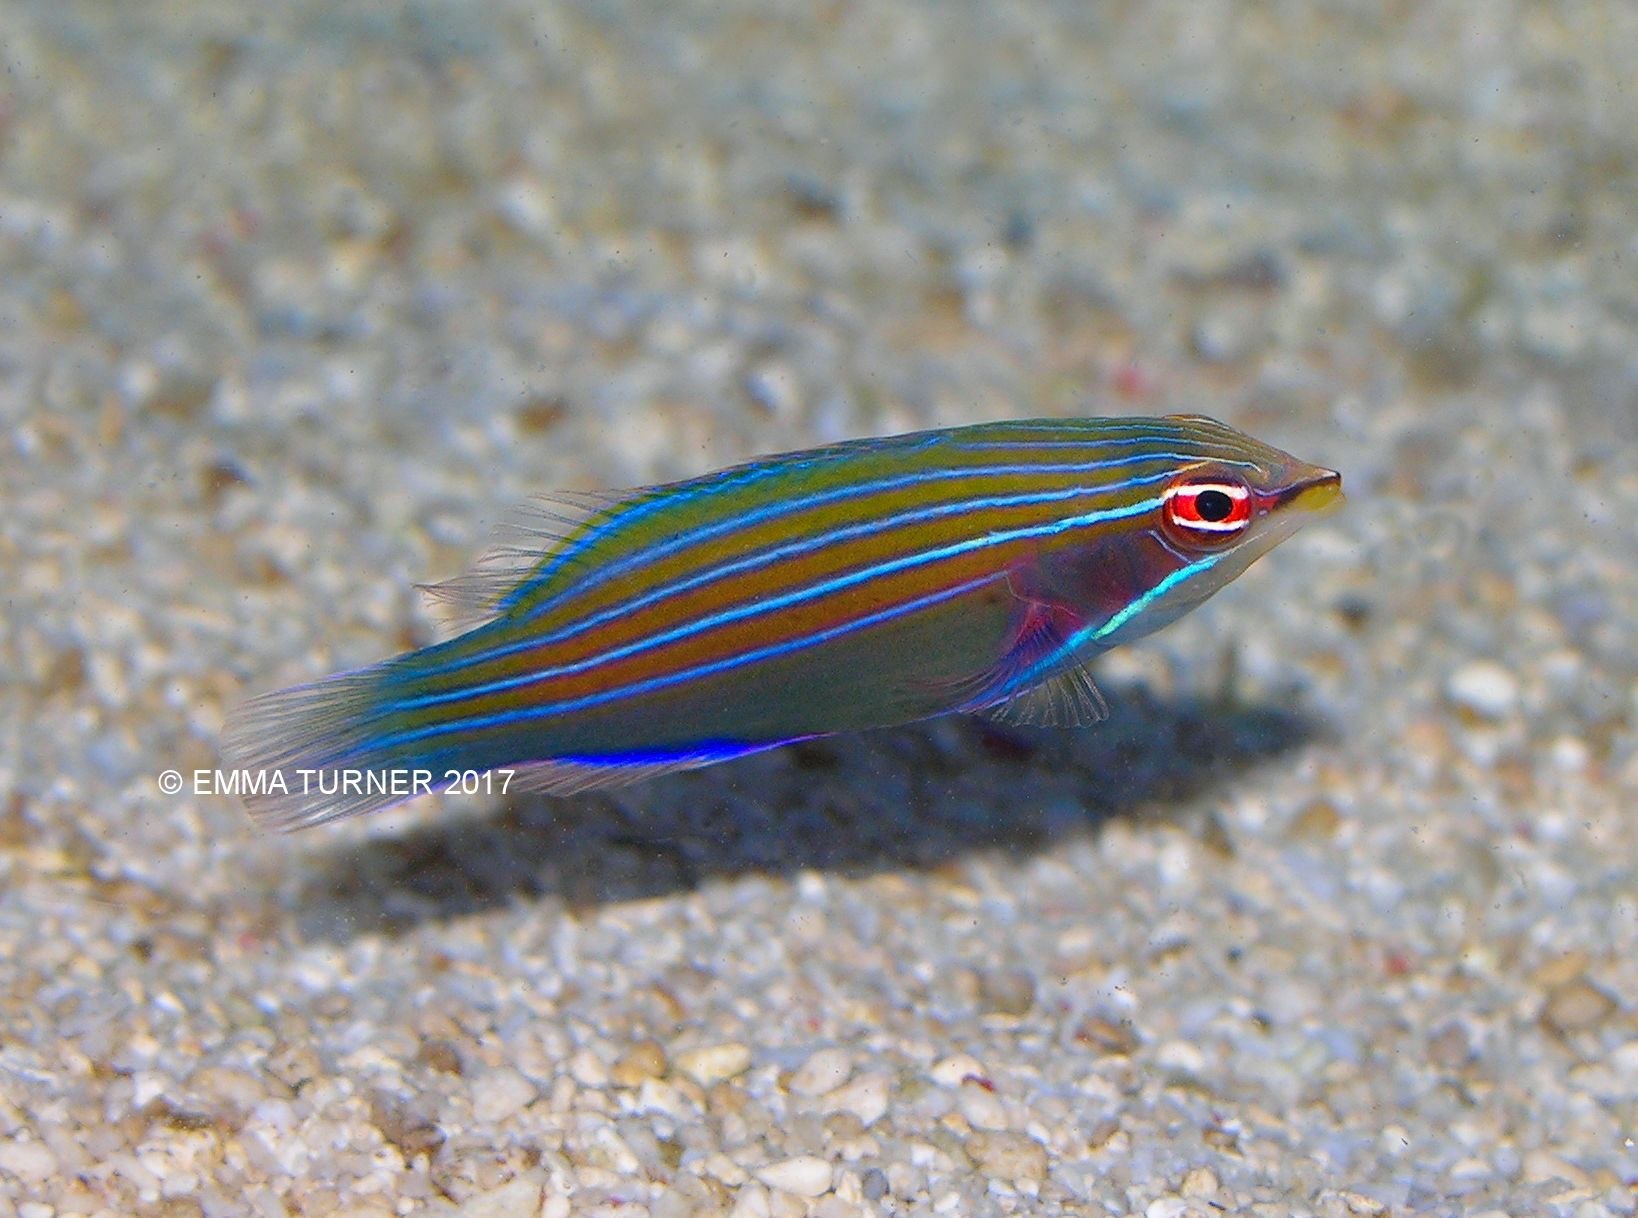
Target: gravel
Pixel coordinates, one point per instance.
(1337, 915)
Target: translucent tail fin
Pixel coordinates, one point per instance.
(308, 755)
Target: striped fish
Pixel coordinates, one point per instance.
(859, 585)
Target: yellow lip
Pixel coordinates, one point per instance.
(1317, 491)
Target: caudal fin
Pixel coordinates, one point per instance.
(310, 754)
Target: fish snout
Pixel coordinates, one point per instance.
(1311, 489)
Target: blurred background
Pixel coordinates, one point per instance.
(1339, 913)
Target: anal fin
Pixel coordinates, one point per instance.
(573, 775)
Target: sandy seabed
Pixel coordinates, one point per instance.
(1338, 915)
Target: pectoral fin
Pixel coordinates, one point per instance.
(1067, 699)
(1039, 680)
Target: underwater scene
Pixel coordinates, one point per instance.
(839, 609)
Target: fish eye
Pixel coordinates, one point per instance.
(1213, 505)
(1207, 511)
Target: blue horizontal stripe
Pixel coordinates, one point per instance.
(739, 566)
(680, 495)
(773, 604)
(526, 714)
(1140, 604)
(1095, 632)
(704, 752)
(708, 532)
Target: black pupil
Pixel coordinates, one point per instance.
(1213, 506)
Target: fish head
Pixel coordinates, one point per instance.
(1230, 500)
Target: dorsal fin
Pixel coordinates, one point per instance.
(540, 533)
(550, 537)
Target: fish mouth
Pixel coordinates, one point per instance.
(1315, 492)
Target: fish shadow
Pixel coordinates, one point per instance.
(915, 797)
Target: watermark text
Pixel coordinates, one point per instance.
(391, 783)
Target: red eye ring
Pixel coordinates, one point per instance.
(1207, 511)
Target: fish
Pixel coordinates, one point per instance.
(613, 636)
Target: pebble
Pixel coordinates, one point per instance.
(32, 1162)
(774, 387)
(1483, 688)
(1450, 1047)
(751, 1202)
(1008, 991)
(715, 1063)
(520, 1198)
(1169, 1207)
(1201, 1182)
(439, 1055)
(804, 1176)
(1542, 1166)
(955, 1070)
(873, 1184)
(1008, 1156)
(867, 1097)
(1181, 1057)
(1359, 1203)
(404, 1126)
(1222, 337)
(1576, 1006)
(500, 1095)
(643, 1061)
(836, 1207)
(588, 1070)
(526, 206)
(981, 1107)
(1318, 822)
(1623, 1072)
(671, 1204)
(823, 1071)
